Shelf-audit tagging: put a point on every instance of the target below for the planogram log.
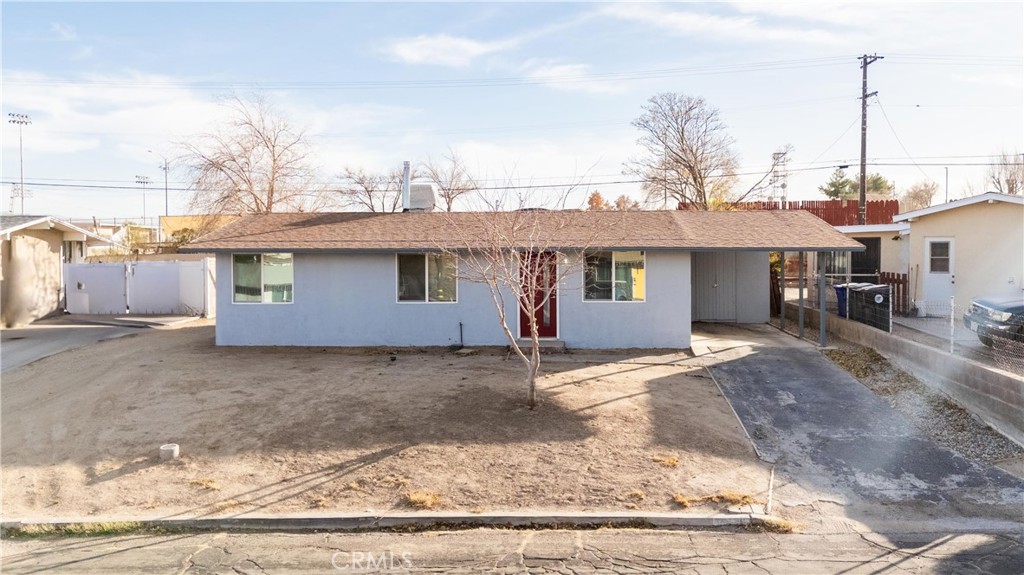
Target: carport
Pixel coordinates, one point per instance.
(733, 285)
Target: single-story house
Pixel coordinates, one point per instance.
(33, 251)
(965, 248)
(619, 279)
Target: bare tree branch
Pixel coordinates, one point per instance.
(687, 157)
(1007, 176)
(451, 176)
(522, 254)
(257, 162)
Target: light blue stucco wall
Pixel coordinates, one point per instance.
(662, 320)
(350, 300)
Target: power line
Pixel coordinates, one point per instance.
(881, 108)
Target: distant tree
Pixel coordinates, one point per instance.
(918, 196)
(597, 202)
(371, 192)
(451, 177)
(839, 186)
(878, 187)
(256, 162)
(1007, 175)
(625, 203)
(687, 155)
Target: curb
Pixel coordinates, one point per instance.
(417, 522)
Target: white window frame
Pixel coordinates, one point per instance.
(583, 296)
(426, 279)
(261, 302)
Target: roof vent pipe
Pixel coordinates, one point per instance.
(405, 186)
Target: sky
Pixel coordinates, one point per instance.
(539, 94)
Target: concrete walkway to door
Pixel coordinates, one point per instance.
(842, 451)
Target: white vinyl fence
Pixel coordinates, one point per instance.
(144, 288)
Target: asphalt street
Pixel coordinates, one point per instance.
(494, 551)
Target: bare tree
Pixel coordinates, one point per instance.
(521, 255)
(687, 155)
(372, 192)
(918, 196)
(256, 163)
(1007, 175)
(451, 177)
(625, 203)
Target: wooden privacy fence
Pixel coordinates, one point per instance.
(900, 291)
(835, 212)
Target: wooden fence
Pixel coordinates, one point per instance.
(900, 285)
(835, 212)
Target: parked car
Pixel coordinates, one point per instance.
(996, 316)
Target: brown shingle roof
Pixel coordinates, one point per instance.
(691, 230)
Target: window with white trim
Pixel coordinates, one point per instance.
(614, 276)
(262, 278)
(427, 278)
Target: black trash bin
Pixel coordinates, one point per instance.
(869, 304)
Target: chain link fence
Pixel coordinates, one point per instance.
(954, 327)
(940, 324)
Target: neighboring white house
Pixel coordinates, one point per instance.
(33, 251)
(965, 248)
(401, 279)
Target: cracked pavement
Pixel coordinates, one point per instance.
(500, 551)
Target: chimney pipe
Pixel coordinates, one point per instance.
(405, 186)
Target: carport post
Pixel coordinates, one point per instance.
(782, 284)
(800, 288)
(822, 318)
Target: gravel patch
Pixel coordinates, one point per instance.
(932, 412)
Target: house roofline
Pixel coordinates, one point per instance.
(53, 222)
(249, 250)
(870, 228)
(986, 197)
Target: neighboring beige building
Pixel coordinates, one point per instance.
(888, 249)
(33, 251)
(965, 248)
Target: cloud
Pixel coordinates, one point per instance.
(445, 50)
(64, 32)
(570, 78)
(732, 28)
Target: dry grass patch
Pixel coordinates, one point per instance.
(638, 495)
(205, 483)
(776, 525)
(74, 529)
(720, 498)
(423, 499)
(667, 461)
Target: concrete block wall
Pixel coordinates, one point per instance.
(992, 394)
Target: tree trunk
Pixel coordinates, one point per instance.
(531, 393)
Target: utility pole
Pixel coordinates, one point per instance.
(21, 120)
(143, 181)
(862, 207)
(167, 210)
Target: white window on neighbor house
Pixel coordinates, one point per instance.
(427, 278)
(615, 276)
(262, 278)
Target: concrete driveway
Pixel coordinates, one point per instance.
(834, 442)
(43, 338)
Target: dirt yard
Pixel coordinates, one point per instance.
(286, 430)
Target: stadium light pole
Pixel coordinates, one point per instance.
(21, 120)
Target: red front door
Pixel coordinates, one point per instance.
(540, 275)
